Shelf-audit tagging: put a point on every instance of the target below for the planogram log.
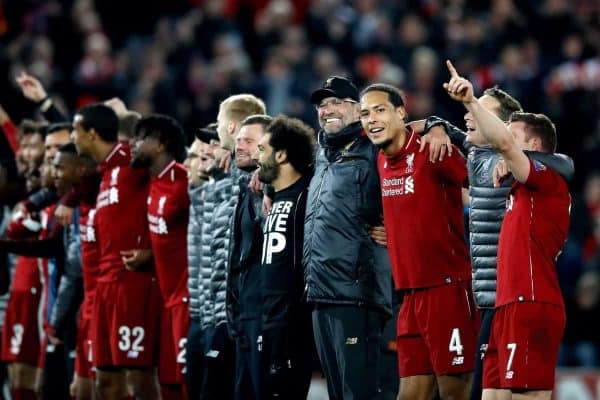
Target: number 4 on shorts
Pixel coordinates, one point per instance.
(455, 342)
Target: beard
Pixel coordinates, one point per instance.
(141, 161)
(268, 172)
(248, 166)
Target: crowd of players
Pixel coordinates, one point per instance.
(161, 271)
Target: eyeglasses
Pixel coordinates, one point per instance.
(334, 101)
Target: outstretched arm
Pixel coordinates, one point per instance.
(33, 90)
(490, 126)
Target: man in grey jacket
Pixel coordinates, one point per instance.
(219, 203)
(208, 161)
(487, 207)
(347, 273)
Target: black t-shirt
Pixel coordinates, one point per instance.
(282, 276)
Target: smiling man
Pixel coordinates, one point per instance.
(529, 302)
(347, 272)
(437, 322)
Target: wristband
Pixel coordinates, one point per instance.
(45, 104)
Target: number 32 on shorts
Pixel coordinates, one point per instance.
(131, 338)
(456, 346)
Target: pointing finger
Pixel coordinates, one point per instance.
(452, 70)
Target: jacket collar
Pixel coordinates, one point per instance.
(342, 138)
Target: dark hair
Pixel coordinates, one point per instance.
(508, 104)
(102, 119)
(260, 119)
(296, 138)
(59, 126)
(29, 126)
(394, 94)
(540, 126)
(166, 130)
(68, 148)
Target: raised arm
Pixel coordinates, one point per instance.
(10, 130)
(33, 90)
(490, 126)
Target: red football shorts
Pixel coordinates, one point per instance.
(21, 332)
(437, 331)
(523, 347)
(174, 324)
(126, 321)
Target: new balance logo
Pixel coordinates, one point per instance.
(212, 353)
(482, 350)
(133, 354)
(352, 340)
(459, 360)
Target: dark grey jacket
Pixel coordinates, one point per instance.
(243, 270)
(225, 196)
(194, 247)
(206, 235)
(342, 264)
(70, 287)
(488, 205)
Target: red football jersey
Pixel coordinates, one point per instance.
(120, 211)
(423, 215)
(27, 275)
(27, 269)
(533, 233)
(89, 256)
(168, 215)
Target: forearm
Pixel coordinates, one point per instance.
(68, 300)
(491, 127)
(496, 133)
(11, 134)
(51, 113)
(44, 248)
(456, 135)
(41, 199)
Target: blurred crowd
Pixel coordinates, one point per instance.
(183, 57)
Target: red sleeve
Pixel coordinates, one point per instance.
(453, 168)
(181, 202)
(10, 132)
(22, 226)
(542, 178)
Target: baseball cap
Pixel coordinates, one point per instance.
(335, 86)
(208, 133)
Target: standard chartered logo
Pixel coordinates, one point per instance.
(397, 186)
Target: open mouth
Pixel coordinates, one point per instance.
(375, 132)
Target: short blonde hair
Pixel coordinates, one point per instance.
(237, 107)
